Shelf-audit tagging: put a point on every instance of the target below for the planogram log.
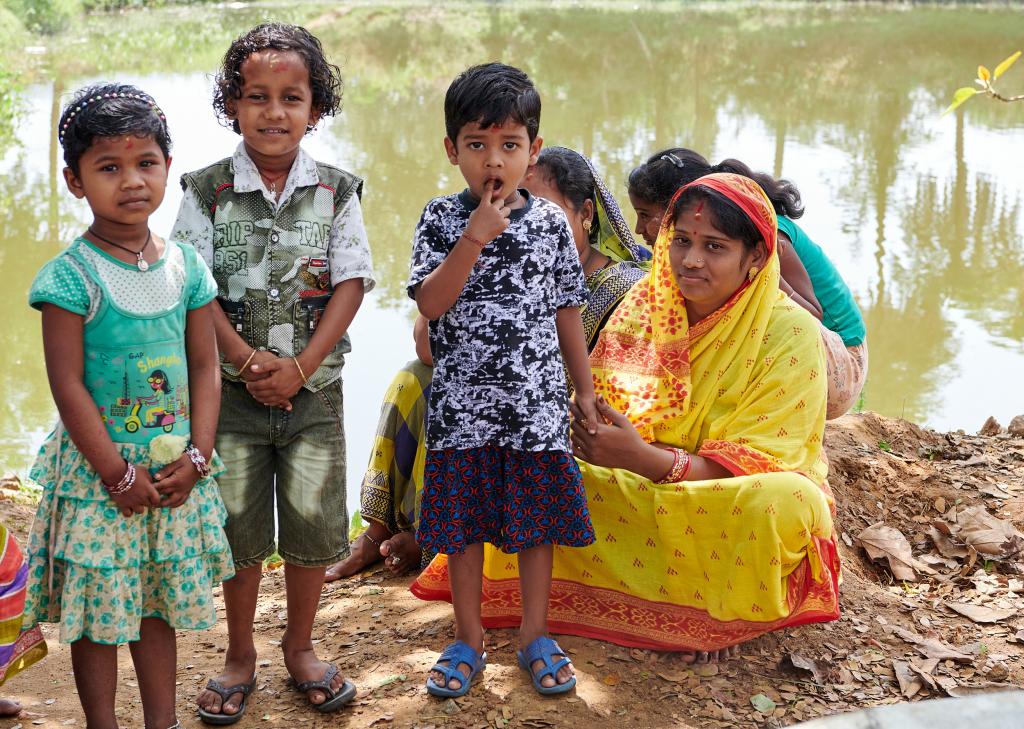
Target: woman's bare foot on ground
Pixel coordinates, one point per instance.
(401, 553)
(303, 665)
(237, 670)
(703, 658)
(9, 708)
(366, 550)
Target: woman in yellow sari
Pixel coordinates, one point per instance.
(706, 483)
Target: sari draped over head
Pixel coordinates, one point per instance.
(630, 260)
(698, 565)
(18, 648)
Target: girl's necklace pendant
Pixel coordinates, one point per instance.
(143, 266)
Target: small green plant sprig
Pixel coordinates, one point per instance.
(984, 82)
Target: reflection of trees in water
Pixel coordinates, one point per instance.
(619, 84)
(25, 244)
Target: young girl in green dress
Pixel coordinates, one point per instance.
(128, 540)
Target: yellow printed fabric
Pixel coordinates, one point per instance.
(708, 564)
(393, 482)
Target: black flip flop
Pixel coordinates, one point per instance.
(334, 701)
(217, 687)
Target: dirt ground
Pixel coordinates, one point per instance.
(939, 613)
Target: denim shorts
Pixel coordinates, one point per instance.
(296, 459)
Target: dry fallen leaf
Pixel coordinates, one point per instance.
(910, 682)
(925, 670)
(995, 538)
(817, 668)
(612, 679)
(885, 542)
(940, 534)
(933, 648)
(981, 613)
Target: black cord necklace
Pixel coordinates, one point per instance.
(141, 263)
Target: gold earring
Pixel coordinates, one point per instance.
(751, 273)
(587, 225)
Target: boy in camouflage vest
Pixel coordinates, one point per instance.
(284, 236)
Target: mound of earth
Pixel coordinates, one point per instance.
(936, 609)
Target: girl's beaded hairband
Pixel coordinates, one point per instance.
(100, 97)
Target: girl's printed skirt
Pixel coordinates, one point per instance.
(512, 499)
(99, 573)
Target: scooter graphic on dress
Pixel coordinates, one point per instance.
(155, 417)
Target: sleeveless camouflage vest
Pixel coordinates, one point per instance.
(271, 269)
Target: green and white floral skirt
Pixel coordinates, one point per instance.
(98, 573)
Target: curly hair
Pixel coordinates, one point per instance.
(324, 77)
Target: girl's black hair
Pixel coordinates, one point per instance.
(324, 77)
(657, 179)
(723, 214)
(109, 110)
(165, 386)
(570, 173)
(491, 94)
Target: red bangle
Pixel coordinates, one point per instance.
(680, 467)
(475, 241)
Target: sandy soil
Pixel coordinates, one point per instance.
(898, 639)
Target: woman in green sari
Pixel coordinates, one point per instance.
(612, 262)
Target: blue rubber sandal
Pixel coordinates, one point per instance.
(544, 649)
(458, 652)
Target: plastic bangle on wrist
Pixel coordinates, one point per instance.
(475, 241)
(680, 466)
(242, 368)
(198, 460)
(125, 484)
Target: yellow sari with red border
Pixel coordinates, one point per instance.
(698, 565)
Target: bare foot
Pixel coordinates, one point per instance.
(303, 665)
(401, 553)
(9, 708)
(703, 658)
(237, 670)
(562, 675)
(366, 550)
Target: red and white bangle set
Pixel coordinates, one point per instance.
(680, 466)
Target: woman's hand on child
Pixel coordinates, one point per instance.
(490, 219)
(175, 481)
(281, 380)
(615, 442)
(139, 497)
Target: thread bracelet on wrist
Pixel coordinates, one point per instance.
(475, 241)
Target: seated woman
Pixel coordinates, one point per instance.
(807, 274)
(706, 484)
(612, 262)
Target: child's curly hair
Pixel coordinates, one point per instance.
(324, 77)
